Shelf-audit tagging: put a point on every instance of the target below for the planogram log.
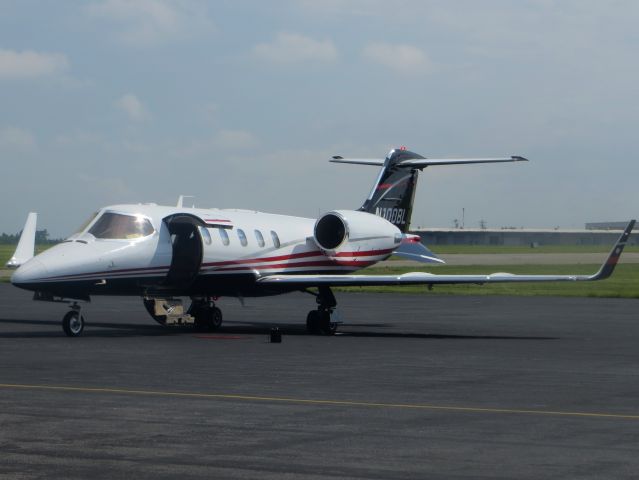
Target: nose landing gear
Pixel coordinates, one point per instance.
(73, 322)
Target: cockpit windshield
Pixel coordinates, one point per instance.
(86, 224)
(118, 226)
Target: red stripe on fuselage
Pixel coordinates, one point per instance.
(343, 261)
(365, 253)
(323, 263)
(314, 253)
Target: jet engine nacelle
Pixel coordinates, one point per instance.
(353, 231)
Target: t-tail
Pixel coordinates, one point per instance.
(393, 193)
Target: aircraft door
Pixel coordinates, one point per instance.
(186, 244)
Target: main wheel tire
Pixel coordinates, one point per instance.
(216, 318)
(206, 318)
(73, 324)
(326, 326)
(313, 322)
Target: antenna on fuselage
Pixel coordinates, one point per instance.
(181, 200)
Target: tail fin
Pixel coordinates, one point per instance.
(393, 193)
(26, 245)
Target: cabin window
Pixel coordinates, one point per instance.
(122, 227)
(242, 236)
(259, 238)
(206, 236)
(224, 236)
(276, 239)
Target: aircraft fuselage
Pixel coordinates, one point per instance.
(191, 252)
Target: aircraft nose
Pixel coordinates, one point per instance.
(30, 272)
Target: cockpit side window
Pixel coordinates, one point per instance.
(123, 227)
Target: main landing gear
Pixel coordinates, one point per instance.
(207, 316)
(319, 322)
(202, 314)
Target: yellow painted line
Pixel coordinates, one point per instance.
(304, 401)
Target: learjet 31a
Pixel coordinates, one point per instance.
(164, 254)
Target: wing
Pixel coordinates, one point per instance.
(422, 278)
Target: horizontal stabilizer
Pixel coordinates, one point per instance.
(412, 248)
(359, 161)
(26, 245)
(428, 162)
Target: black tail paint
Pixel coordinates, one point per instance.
(393, 193)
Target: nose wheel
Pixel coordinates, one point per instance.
(73, 322)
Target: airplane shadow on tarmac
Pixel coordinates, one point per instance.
(104, 329)
(99, 329)
(297, 329)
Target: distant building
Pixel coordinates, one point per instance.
(523, 237)
(606, 225)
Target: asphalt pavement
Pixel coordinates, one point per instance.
(413, 386)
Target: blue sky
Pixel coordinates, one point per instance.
(241, 104)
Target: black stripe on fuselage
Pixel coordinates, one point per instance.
(220, 285)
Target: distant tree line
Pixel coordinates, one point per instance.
(41, 238)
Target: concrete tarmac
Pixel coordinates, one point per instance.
(414, 387)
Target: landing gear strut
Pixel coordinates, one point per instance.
(73, 321)
(202, 313)
(319, 322)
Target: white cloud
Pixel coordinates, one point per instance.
(292, 47)
(107, 188)
(234, 139)
(367, 8)
(222, 140)
(403, 58)
(78, 139)
(30, 64)
(149, 22)
(132, 106)
(15, 139)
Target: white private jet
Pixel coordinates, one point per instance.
(163, 253)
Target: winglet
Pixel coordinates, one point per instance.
(26, 245)
(611, 262)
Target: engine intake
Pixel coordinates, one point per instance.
(330, 231)
(341, 232)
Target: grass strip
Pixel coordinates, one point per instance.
(624, 282)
